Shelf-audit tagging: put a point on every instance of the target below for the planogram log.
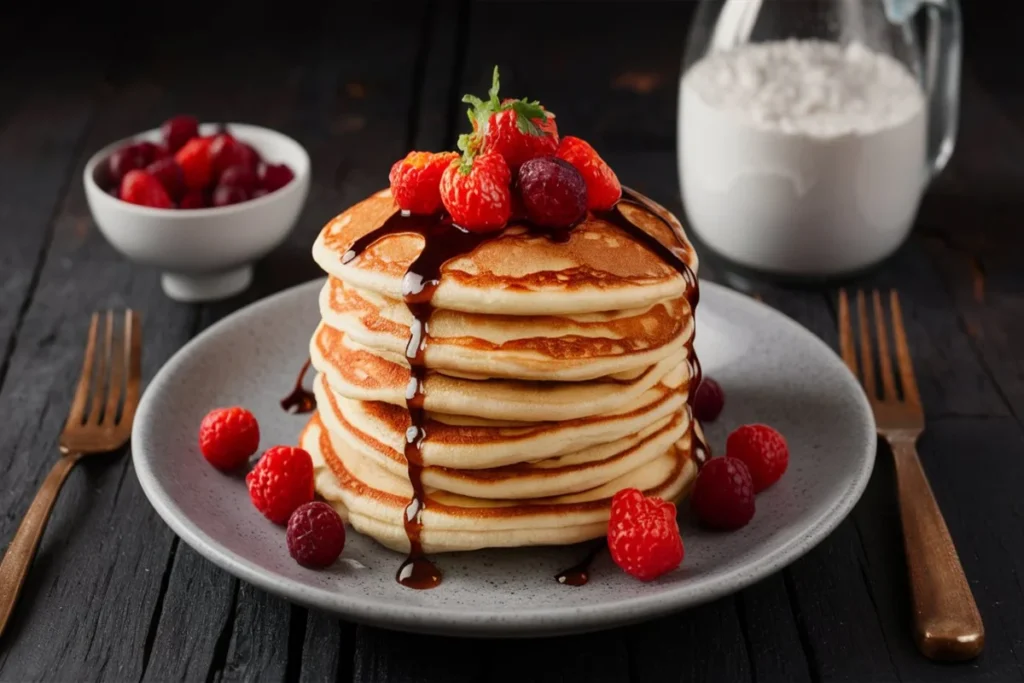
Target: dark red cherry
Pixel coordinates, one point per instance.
(179, 130)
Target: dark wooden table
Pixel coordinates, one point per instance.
(114, 595)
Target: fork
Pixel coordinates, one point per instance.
(100, 421)
(947, 624)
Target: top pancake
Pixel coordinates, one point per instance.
(599, 268)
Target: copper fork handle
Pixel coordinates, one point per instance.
(947, 624)
(18, 557)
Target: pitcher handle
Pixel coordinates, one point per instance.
(943, 53)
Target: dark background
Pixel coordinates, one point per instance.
(114, 596)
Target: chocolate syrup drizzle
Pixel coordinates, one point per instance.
(442, 242)
(301, 400)
(579, 574)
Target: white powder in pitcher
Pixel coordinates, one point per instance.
(802, 156)
(808, 86)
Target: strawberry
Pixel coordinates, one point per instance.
(477, 193)
(603, 188)
(196, 163)
(416, 180)
(763, 450)
(643, 535)
(139, 187)
(518, 130)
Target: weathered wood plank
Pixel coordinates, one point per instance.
(407, 658)
(40, 139)
(587, 658)
(701, 644)
(327, 649)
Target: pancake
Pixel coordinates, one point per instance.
(518, 272)
(570, 473)
(357, 372)
(373, 501)
(544, 347)
(460, 442)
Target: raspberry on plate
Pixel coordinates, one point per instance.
(643, 535)
(196, 163)
(763, 450)
(139, 187)
(723, 495)
(280, 482)
(554, 194)
(228, 436)
(478, 196)
(518, 130)
(416, 180)
(708, 401)
(316, 535)
(603, 187)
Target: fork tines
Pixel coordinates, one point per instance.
(108, 388)
(865, 368)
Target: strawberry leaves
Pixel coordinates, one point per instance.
(481, 111)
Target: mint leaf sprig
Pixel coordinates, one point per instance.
(480, 113)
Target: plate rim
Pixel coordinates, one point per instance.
(521, 623)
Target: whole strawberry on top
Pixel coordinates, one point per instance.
(518, 130)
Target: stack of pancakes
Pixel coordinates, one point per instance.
(558, 373)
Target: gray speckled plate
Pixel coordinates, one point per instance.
(772, 369)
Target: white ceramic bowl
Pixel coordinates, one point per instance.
(204, 254)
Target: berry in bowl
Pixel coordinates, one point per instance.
(201, 202)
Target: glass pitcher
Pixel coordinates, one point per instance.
(809, 129)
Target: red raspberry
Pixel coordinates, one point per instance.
(416, 180)
(723, 495)
(708, 401)
(228, 436)
(169, 174)
(643, 535)
(139, 187)
(763, 450)
(316, 535)
(179, 130)
(273, 177)
(478, 200)
(193, 199)
(196, 163)
(603, 188)
(281, 481)
(518, 144)
(553, 192)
